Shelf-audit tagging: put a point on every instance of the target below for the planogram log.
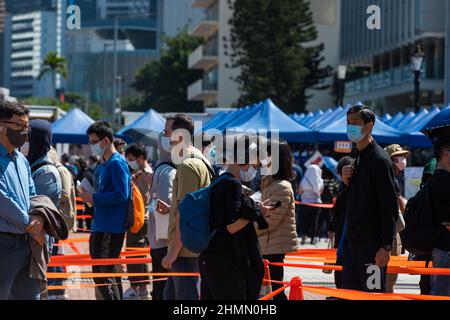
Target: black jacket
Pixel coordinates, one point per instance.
(338, 213)
(440, 204)
(372, 207)
(228, 204)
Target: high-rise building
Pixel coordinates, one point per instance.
(177, 14)
(26, 6)
(216, 88)
(32, 35)
(381, 74)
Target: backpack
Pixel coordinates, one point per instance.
(136, 210)
(420, 236)
(194, 211)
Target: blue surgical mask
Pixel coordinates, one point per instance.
(249, 175)
(165, 144)
(354, 133)
(96, 150)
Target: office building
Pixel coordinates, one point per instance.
(379, 60)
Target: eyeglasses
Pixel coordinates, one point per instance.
(95, 142)
(19, 126)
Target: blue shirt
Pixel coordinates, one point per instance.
(112, 182)
(47, 180)
(16, 187)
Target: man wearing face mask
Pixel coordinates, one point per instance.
(112, 183)
(398, 156)
(16, 188)
(372, 208)
(142, 174)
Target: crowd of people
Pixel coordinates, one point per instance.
(252, 209)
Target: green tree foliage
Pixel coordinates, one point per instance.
(164, 83)
(270, 42)
(53, 64)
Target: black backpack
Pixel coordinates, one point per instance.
(420, 235)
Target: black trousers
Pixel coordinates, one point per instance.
(103, 246)
(309, 221)
(223, 279)
(338, 274)
(359, 271)
(158, 286)
(276, 273)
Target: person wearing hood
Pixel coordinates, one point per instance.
(311, 188)
(161, 189)
(46, 177)
(43, 171)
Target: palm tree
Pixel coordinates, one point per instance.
(53, 65)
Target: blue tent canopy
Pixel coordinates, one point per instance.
(266, 116)
(337, 114)
(216, 120)
(306, 118)
(381, 132)
(316, 116)
(145, 129)
(72, 127)
(395, 118)
(441, 120)
(385, 118)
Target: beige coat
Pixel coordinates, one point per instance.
(281, 236)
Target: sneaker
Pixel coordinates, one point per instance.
(130, 294)
(58, 297)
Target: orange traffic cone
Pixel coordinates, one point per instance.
(296, 292)
(266, 287)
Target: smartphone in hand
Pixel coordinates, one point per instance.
(162, 207)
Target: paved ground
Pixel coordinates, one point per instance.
(405, 283)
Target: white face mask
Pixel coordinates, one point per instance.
(134, 165)
(165, 144)
(25, 148)
(96, 150)
(401, 163)
(249, 175)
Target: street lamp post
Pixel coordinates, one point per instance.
(417, 60)
(342, 73)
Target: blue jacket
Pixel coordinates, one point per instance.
(112, 181)
(16, 187)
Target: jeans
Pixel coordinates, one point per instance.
(55, 282)
(182, 288)
(440, 285)
(15, 258)
(102, 246)
(158, 286)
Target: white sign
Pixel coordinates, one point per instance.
(413, 178)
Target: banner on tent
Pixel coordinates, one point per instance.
(343, 146)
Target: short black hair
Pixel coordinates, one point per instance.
(182, 121)
(82, 163)
(102, 129)
(367, 115)
(136, 150)
(345, 161)
(118, 142)
(9, 109)
(440, 146)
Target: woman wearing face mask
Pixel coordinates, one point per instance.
(232, 267)
(281, 236)
(311, 187)
(398, 156)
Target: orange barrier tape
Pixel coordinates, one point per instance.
(76, 286)
(100, 262)
(359, 295)
(77, 257)
(74, 248)
(79, 207)
(84, 217)
(66, 275)
(316, 205)
(78, 199)
(74, 240)
(308, 266)
(274, 293)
